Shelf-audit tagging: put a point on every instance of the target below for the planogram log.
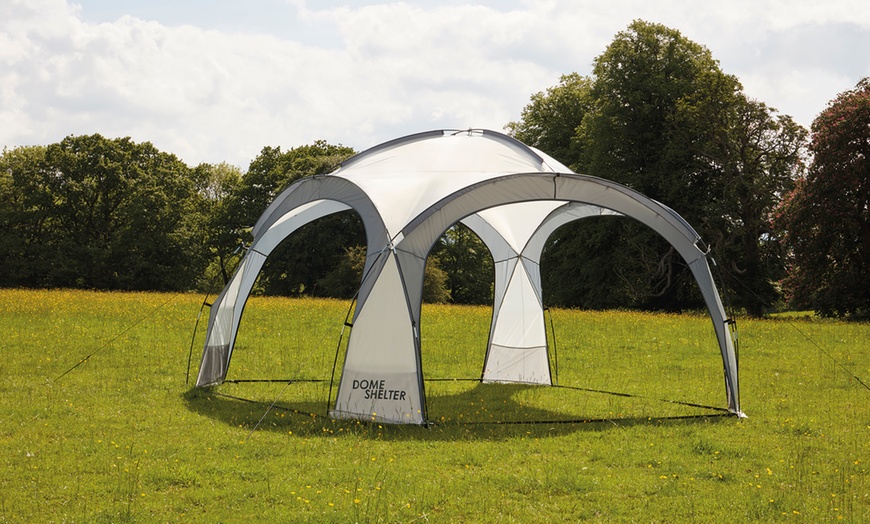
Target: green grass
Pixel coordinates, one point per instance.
(123, 437)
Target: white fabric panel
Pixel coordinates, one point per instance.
(525, 365)
(517, 346)
(380, 397)
(533, 273)
(520, 301)
(517, 222)
(504, 272)
(489, 224)
(412, 268)
(401, 198)
(422, 232)
(298, 217)
(498, 247)
(518, 341)
(249, 277)
(224, 318)
(382, 351)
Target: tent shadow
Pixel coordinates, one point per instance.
(458, 416)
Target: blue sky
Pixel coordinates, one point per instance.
(215, 81)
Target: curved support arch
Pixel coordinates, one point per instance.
(414, 242)
(301, 203)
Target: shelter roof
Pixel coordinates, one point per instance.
(406, 176)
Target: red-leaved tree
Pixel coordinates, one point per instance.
(826, 218)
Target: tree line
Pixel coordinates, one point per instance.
(785, 213)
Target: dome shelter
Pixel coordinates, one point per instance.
(408, 192)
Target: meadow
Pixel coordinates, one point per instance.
(99, 421)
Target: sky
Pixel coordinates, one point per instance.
(217, 80)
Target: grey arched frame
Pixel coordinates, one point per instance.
(313, 198)
(419, 236)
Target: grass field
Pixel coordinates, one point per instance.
(124, 438)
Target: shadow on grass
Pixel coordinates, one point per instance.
(469, 417)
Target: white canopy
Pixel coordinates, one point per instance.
(408, 192)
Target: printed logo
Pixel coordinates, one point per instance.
(378, 390)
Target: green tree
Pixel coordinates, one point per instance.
(826, 218)
(753, 160)
(467, 264)
(644, 81)
(660, 116)
(573, 276)
(25, 212)
(217, 183)
(106, 214)
(650, 87)
(343, 281)
(550, 121)
(271, 172)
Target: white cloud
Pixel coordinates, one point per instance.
(366, 73)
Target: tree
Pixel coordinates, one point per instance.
(754, 159)
(217, 183)
(343, 281)
(826, 218)
(660, 116)
(650, 91)
(106, 214)
(467, 264)
(272, 171)
(24, 216)
(550, 121)
(573, 276)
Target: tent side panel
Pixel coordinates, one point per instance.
(517, 365)
(214, 365)
(518, 346)
(380, 380)
(525, 360)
